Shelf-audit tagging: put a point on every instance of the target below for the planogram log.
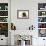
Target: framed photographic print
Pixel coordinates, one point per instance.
(23, 14)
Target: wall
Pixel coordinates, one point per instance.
(23, 24)
(32, 6)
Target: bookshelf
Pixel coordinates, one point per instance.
(4, 19)
(42, 19)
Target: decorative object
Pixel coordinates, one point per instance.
(3, 13)
(0, 7)
(41, 25)
(43, 13)
(6, 7)
(42, 32)
(41, 6)
(3, 19)
(13, 27)
(31, 27)
(4, 29)
(41, 19)
(22, 14)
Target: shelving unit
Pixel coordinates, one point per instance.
(42, 19)
(4, 19)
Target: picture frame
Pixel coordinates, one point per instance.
(23, 14)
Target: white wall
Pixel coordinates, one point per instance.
(23, 24)
(32, 6)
